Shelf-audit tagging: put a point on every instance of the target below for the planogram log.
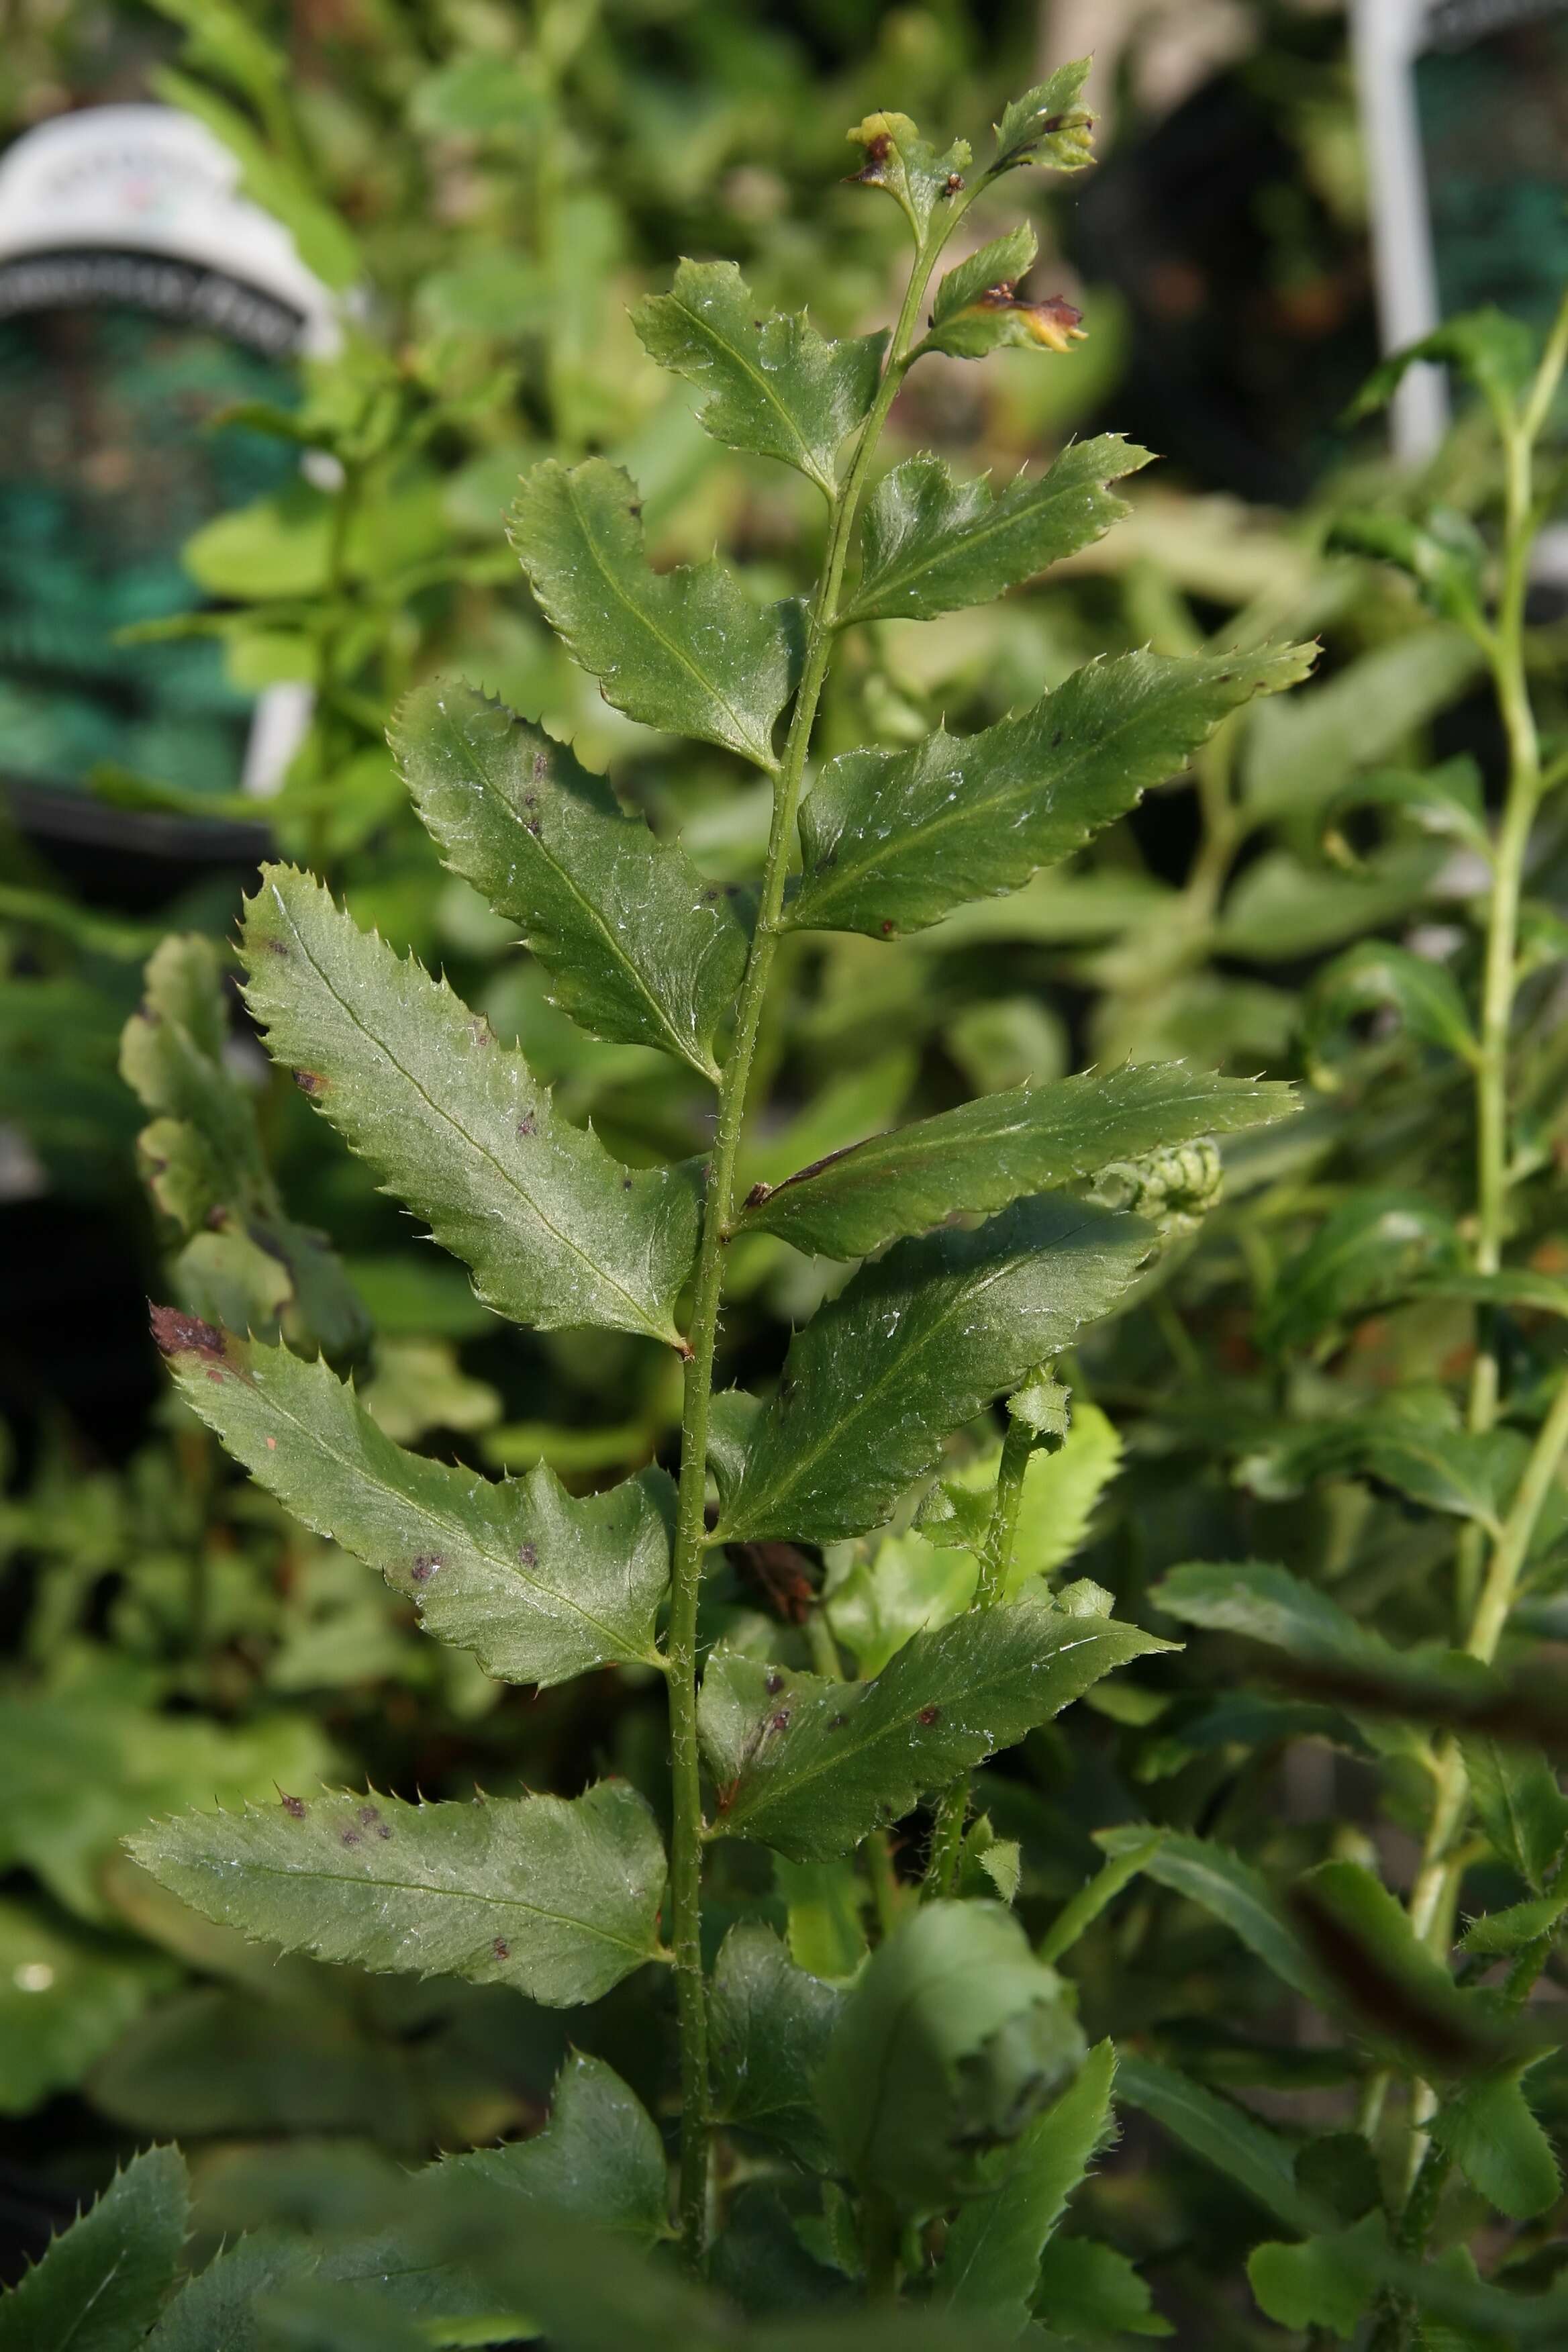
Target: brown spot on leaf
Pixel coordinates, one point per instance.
(295, 1807)
(423, 1568)
(501, 1948)
(929, 1714)
(310, 1082)
(179, 1334)
(528, 1554)
(351, 1836)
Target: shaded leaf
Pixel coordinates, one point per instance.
(1376, 978)
(774, 384)
(1300, 753)
(1515, 1929)
(642, 950)
(1411, 1441)
(556, 1232)
(1488, 347)
(1398, 1993)
(1498, 2145)
(994, 2247)
(1268, 1604)
(1443, 554)
(934, 544)
(599, 2157)
(684, 650)
(952, 2040)
(810, 1767)
(202, 1160)
(1445, 800)
(988, 1152)
(540, 1584)
(102, 2283)
(822, 1903)
(914, 1347)
(1236, 2142)
(558, 1897)
(1522, 1809)
(769, 2027)
(1325, 2282)
(1368, 1253)
(1232, 1890)
(894, 840)
(218, 2308)
(1089, 2289)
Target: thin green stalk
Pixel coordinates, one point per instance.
(1432, 1896)
(1090, 1901)
(691, 1533)
(946, 1842)
(996, 1561)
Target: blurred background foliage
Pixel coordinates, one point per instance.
(501, 181)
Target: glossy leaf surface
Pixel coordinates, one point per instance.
(685, 650)
(557, 1232)
(773, 384)
(894, 840)
(641, 949)
(540, 1584)
(811, 1767)
(769, 2025)
(991, 1150)
(934, 544)
(913, 1348)
(556, 1897)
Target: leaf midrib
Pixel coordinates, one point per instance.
(447, 1893)
(746, 743)
(435, 1520)
(844, 876)
(710, 334)
(686, 1048)
(964, 1294)
(600, 1274)
(889, 1729)
(929, 557)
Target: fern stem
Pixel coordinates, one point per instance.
(690, 1533)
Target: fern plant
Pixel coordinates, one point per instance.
(983, 1240)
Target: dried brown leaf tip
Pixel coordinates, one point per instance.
(1054, 323)
(178, 1334)
(876, 138)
